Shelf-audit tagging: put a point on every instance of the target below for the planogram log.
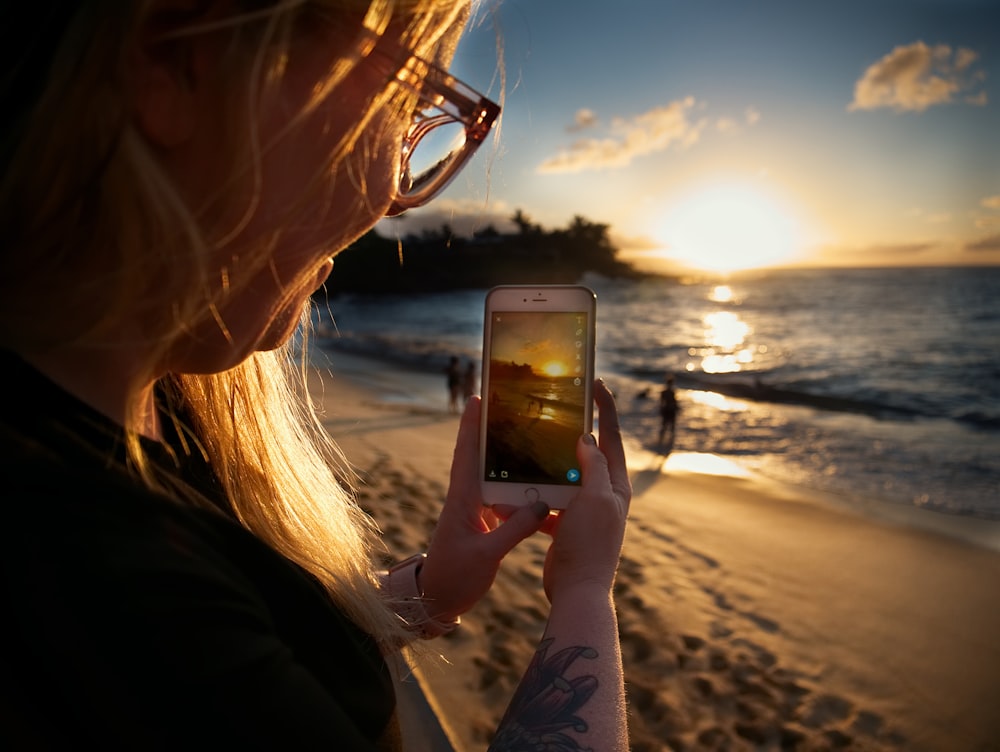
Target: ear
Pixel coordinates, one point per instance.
(172, 74)
(165, 104)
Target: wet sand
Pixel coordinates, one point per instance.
(753, 616)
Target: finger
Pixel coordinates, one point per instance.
(611, 439)
(550, 525)
(490, 517)
(465, 460)
(593, 464)
(523, 523)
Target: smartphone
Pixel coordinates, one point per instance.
(537, 392)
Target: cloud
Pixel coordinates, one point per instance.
(734, 125)
(989, 243)
(934, 218)
(898, 250)
(653, 131)
(726, 125)
(938, 218)
(465, 217)
(917, 76)
(585, 118)
(636, 243)
(878, 253)
(991, 218)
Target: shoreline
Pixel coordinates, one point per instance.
(394, 382)
(933, 441)
(753, 615)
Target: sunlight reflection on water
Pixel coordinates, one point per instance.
(707, 464)
(721, 294)
(725, 335)
(716, 401)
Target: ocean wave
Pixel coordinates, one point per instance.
(430, 356)
(867, 382)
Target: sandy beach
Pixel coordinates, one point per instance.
(753, 616)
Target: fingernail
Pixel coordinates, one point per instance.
(541, 509)
(588, 438)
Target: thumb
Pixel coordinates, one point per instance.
(523, 523)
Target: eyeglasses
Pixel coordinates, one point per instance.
(451, 121)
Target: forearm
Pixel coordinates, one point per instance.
(573, 687)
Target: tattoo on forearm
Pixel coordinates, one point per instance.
(546, 703)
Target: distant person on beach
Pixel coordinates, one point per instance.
(186, 563)
(453, 383)
(469, 382)
(668, 409)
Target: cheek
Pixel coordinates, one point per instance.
(348, 202)
(377, 160)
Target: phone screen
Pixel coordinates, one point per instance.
(537, 396)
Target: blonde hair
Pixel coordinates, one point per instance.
(92, 226)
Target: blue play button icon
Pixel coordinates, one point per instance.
(572, 475)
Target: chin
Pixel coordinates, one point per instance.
(281, 328)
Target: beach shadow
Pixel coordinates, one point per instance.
(644, 479)
(354, 426)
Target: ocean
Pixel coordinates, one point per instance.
(867, 384)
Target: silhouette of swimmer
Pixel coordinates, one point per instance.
(469, 381)
(668, 408)
(453, 374)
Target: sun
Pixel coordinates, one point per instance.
(728, 226)
(554, 368)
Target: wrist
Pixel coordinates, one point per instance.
(402, 583)
(595, 592)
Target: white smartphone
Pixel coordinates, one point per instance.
(537, 392)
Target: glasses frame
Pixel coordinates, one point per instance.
(457, 102)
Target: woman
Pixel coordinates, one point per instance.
(184, 564)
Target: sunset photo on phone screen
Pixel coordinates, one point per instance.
(536, 396)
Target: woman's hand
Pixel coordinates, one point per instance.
(470, 541)
(588, 534)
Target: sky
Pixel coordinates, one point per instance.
(544, 342)
(730, 134)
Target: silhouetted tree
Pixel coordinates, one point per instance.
(490, 232)
(524, 225)
(437, 259)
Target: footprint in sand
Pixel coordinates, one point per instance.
(631, 570)
(675, 545)
(640, 647)
(825, 710)
(761, 656)
(718, 630)
(761, 622)
(625, 597)
(528, 574)
(720, 599)
(722, 602)
(693, 642)
(868, 723)
(500, 655)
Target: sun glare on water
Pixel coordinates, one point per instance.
(726, 227)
